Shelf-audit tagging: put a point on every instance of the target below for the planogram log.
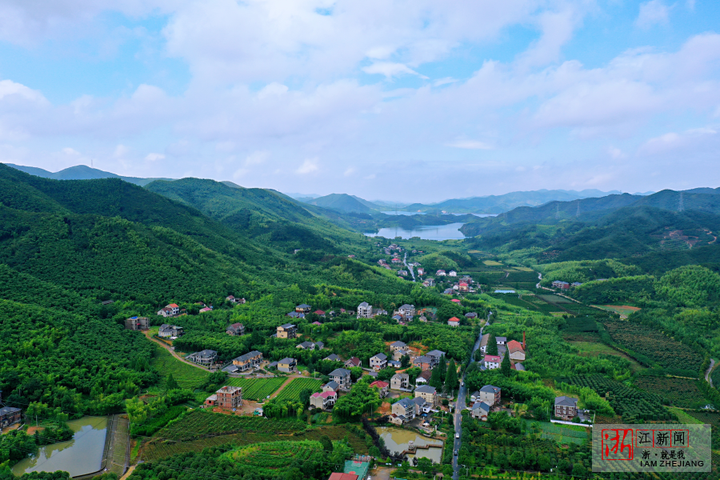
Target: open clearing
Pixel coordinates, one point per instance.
(622, 310)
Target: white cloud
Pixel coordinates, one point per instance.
(350, 171)
(120, 151)
(692, 139)
(154, 157)
(654, 12)
(257, 158)
(308, 166)
(70, 151)
(390, 69)
(470, 145)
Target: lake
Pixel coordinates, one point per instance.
(426, 232)
(396, 440)
(481, 215)
(81, 455)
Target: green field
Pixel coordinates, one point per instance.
(186, 375)
(593, 349)
(256, 388)
(275, 458)
(292, 391)
(563, 434)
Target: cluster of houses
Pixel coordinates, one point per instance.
(565, 285)
(406, 409)
(483, 400)
(515, 349)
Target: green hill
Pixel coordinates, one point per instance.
(79, 172)
(343, 202)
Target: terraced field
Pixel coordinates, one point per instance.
(257, 388)
(292, 391)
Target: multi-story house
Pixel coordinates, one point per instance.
(236, 329)
(378, 361)
(287, 330)
(364, 310)
(248, 361)
(400, 381)
(341, 376)
(428, 393)
(566, 407)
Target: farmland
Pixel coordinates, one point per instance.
(273, 458)
(257, 388)
(681, 392)
(199, 430)
(186, 375)
(654, 346)
(200, 423)
(634, 406)
(563, 434)
(292, 391)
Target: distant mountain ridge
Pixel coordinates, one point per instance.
(81, 172)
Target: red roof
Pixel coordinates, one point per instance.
(317, 323)
(343, 476)
(514, 346)
(380, 384)
(324, 394)
(492, 358)
(173, 305)
(455, 300)
(236, 325)
(454, 320)
(355, 361)
(319, 312)
(463, 284)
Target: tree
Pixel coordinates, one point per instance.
(355, 373)
(171, 383)
(451, 379)
(425, 465)
(492, 345)
(436, 378)
(305, 395)
(405, 361)
(442, 365)
(326, 443)
(544, 463)
(505, 365)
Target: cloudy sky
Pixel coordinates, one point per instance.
(408, 100)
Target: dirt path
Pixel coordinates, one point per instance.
(287, 382)
(129, 472)
(172, 352)
(709, 371)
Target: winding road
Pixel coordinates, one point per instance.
(409, 267)
(709, 371)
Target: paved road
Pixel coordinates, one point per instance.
(409, 267)
(460, 406)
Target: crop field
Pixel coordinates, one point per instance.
(681, 392)
(654, 345)
(292, 391)
(186, 375)
(162, 447)
(200, 423)
(274, 457)
(492, 263)
(522, 276)
(596, 347)
(555, 299)
(256, 388)
(633, 405)
(563, 434)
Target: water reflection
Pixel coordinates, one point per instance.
(397, 440)
(426, 232)
(81, 455)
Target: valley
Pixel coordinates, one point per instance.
(243, 334)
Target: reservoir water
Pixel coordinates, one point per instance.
(81, 455)
(397, 440)
(426, 232)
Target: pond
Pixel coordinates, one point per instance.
(81, 455)
(397, 439)
(426, 232)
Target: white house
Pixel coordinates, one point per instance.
(378, 361)
(364, 310)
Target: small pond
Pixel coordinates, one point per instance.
(397, 439)
(81, 455)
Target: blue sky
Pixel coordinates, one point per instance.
(407, 100)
